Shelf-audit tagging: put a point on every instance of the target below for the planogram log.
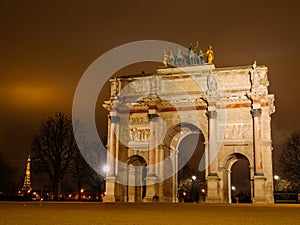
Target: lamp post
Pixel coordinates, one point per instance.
(193, 187)
(233, 189)
(81, 192)
(41, 194)
(276, 182)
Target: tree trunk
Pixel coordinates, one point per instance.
(79, 191)
(56, 189)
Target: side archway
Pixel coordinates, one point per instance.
(136, 175)
(237, 171)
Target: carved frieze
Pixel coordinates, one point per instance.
(139, 134)
(138, 121)
(238, 131)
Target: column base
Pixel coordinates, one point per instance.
(109, 198)
(213, 195)
(259, 183)
(110, 190)
(150, 189)
(151, 199)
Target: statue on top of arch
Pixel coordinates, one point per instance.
(193, 56)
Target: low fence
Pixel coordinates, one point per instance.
(287, 197)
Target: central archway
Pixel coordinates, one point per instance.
(188, 183)
(191, 179)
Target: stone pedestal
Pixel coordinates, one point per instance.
(259, 183)
(150, 189)
(161, 191)
(131, 194)
(110, 190)
(212, 182)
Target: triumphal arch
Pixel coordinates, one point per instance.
(150, 114)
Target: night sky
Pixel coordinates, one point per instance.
(47, 45)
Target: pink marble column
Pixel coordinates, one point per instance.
(212, 143)
(257, 143)
(152, 144)
(112, 145)
(151, 176)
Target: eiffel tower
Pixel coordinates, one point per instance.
(27, 184)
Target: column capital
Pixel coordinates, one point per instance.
(256, 112)
(114, 119)
(212, 114)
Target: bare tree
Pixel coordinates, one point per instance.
(53, 149)
(79, 172)
(290, 159)
(8, 179)
(96, 182)
(83, 175)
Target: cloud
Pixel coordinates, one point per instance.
(33, 96)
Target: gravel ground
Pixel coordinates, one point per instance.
(61, 213)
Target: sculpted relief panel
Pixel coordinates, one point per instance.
(238, 131)
(138, 128)
(139, 131)
(139, 134)
(238, 124)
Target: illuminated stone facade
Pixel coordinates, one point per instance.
(161, 109)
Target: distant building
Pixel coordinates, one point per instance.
(27, 182)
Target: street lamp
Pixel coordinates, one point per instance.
(106, 168)
(193, 187)
(81, 192)
(233, 188)
(276, 179)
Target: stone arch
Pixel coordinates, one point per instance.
(172, 140)
(247, 127)
(136, 174)
(228, 163)
(179, 131)
(136, 160)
